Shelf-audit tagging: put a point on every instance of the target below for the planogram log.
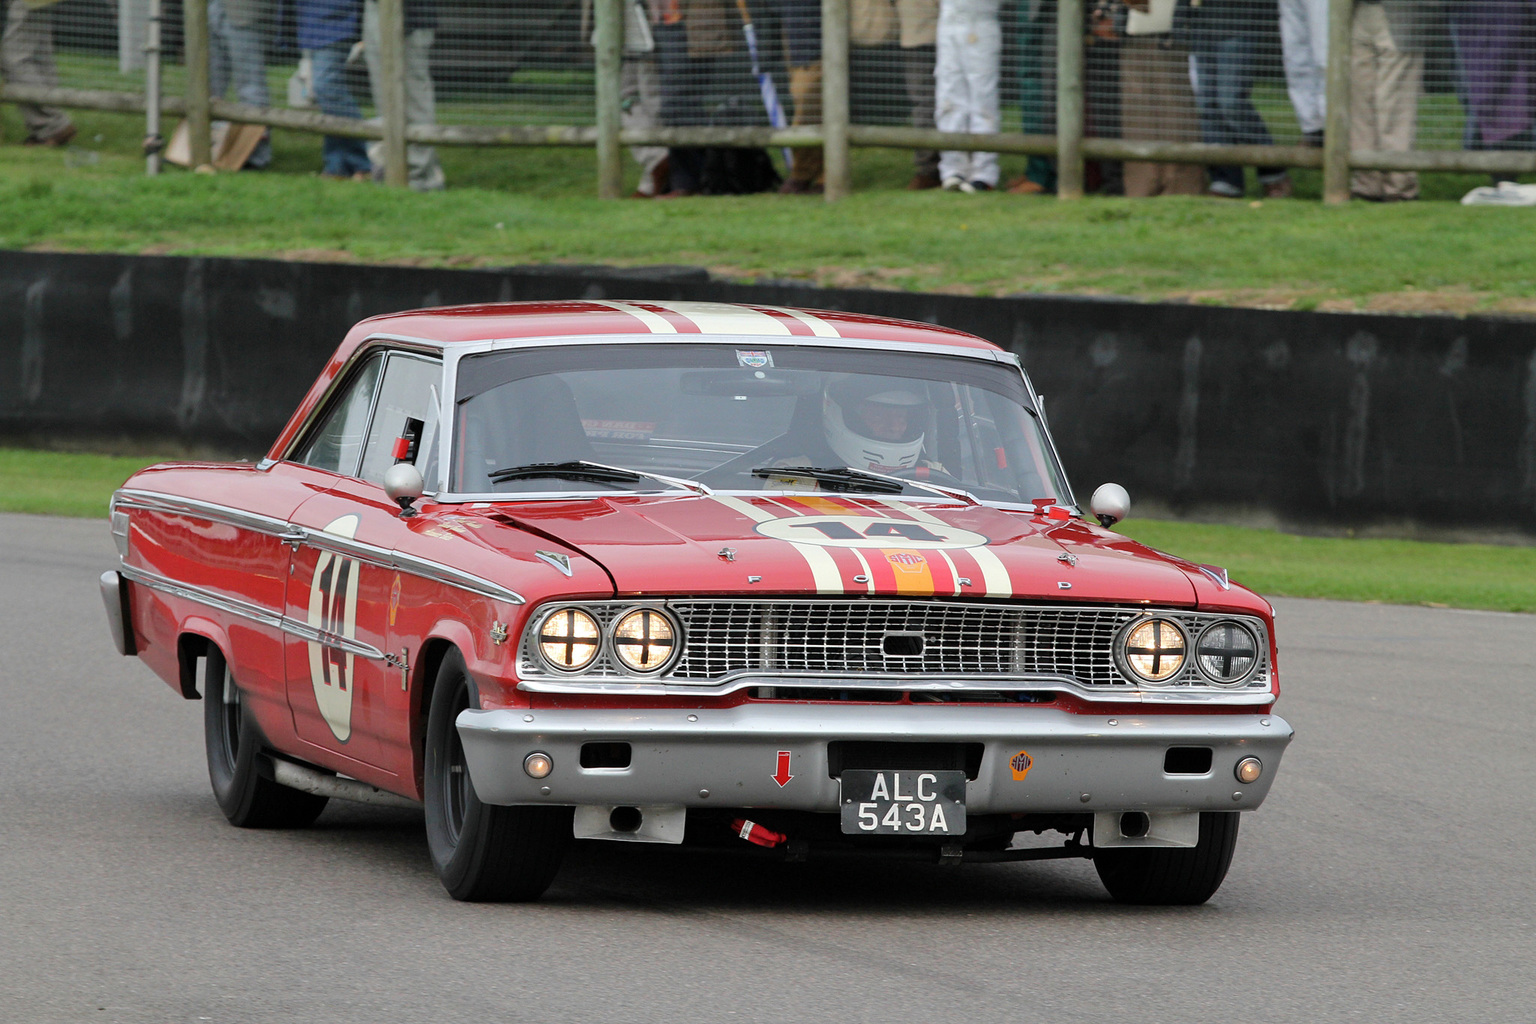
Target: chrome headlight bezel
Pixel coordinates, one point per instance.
(617, 645)
(1255, 659)
(540, 639)
(1124, 656)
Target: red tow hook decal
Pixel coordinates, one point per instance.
(752, 832)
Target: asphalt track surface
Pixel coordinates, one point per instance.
(1388, 877)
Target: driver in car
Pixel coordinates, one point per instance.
(876, 424)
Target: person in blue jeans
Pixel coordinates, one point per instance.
(236, 54)
(1223, 37)
(328, 29)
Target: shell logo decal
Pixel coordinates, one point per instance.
(869, 532)
(333, 613)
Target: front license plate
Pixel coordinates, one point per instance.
(903, 803)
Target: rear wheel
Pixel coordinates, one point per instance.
(247, 797)
(482, 852)
(1172, 877)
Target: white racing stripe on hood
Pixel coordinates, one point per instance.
(658, 324)
(721, 318)
(994, 574)
(823, 568)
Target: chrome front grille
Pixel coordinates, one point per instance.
(849, 637)
(820, 639)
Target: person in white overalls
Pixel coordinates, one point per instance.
(965, 88)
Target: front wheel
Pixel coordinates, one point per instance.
(247, 797)
(1172, 877)
(482, 852)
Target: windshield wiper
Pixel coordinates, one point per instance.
(847, 476)
(841, 478)
(596, 472)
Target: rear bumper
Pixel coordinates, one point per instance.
(729, 757)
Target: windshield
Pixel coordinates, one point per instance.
(572, 418)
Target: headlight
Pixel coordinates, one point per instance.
(644, 640)
(1227, 653)
(1154, 650)
(569, 639)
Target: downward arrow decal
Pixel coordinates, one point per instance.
(781, 775)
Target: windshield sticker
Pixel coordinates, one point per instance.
(755, 360)
(869, 532)
(618, 430)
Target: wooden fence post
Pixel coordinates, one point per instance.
(834, 97)
(1069, 99)
(1336, 135)
(392, 70)
(609, 15)
(194, 20)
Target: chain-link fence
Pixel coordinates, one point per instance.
(1142, 98)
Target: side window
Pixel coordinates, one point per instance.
(410, 392)
(338, 442)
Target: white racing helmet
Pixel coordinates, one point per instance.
(850, 437)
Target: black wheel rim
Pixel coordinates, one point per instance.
(455, 772)
(229, 719)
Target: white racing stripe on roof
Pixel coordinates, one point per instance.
(818, 326)
(658, 324)
(723, 318)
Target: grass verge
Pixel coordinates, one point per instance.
(1275, 564)
(521, 206)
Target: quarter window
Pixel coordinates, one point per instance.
(338, 443)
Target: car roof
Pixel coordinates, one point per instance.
(676, 320)
(446, 327)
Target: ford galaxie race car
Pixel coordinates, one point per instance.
(804, 583)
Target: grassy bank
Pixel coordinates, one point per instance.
(1275, 564)
(536, 206)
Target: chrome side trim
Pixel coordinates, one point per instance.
(250, 612)
(288, 533)
(922, 684)
(156, 501)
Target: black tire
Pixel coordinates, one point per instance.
(1172, 877)
(482, 852)
(248, 798)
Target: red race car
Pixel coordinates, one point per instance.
(803, 583)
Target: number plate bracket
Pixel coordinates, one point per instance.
(902, 803)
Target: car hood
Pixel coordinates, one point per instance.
(783, 544)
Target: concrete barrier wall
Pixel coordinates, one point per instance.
(1325, 418)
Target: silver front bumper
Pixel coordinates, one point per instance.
(730, 757)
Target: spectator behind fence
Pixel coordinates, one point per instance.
(706, 80)
(1156, 101)
(919, 25)
(236, 54)
(1386, 77)
(1223, 39)
(328, 30)
(801, 24)
(423, 172)
(965, 89)
(1495, 42)
(1037, 90)
(26, 58)
(1304, 46)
